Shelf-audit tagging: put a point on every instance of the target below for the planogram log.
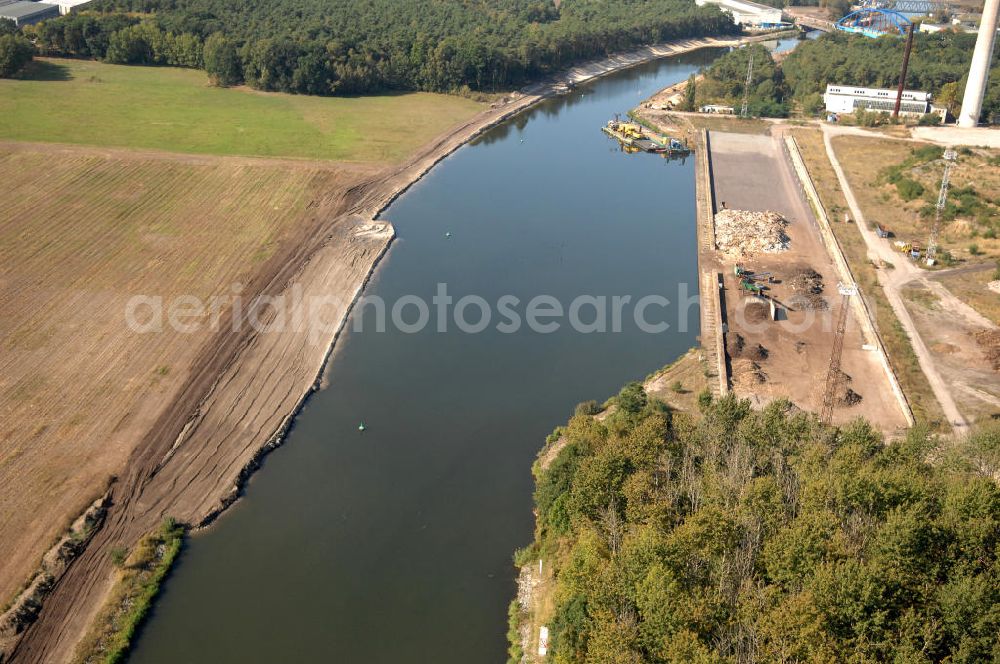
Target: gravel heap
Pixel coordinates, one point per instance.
(743, 234)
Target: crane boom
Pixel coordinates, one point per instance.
(932, 244)
(746, 87)
(833, 373)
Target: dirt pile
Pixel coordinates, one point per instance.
(743, 234)
(807, 280)
(989, 342)
(850, 398)
(747, 375)
(756, 311)
(808, 287)
(738, 348)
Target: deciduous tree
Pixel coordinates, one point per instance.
(15, 53)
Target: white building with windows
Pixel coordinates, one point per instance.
(847, 99)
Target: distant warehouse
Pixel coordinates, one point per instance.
(846, 99)
(67, 6)
(28, 13)
(748, 14)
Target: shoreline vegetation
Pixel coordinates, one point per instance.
(141, 573)
(73, 595)
(731, 534)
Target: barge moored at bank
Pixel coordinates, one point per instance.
(635, 137)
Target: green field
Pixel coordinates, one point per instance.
(91, 103)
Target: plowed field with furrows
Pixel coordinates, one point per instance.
(81, 232)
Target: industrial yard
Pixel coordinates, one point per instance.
(935, 319)
(786, 351)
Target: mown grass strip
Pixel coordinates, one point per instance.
(165, 108)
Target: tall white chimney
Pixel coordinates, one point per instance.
(979, 72)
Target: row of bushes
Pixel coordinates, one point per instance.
(15, 50)
(141, 574)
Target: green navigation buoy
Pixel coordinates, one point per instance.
(361, 427)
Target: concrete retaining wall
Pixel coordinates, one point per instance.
(712, 315)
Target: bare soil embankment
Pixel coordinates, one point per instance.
(85, 397)
(243, 387)
(79, 389)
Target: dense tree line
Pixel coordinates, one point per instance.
(354, 46)
(939, 64)
(725, 80)
(763, 536)
(83, 35)
(145, 44)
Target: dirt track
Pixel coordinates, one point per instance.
(245, 387)
(892, 282)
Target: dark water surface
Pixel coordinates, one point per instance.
(394, 546)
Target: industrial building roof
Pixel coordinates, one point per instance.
(68, 4)
(745, 6)
(23, 9)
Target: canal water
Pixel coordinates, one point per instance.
(394, 545)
